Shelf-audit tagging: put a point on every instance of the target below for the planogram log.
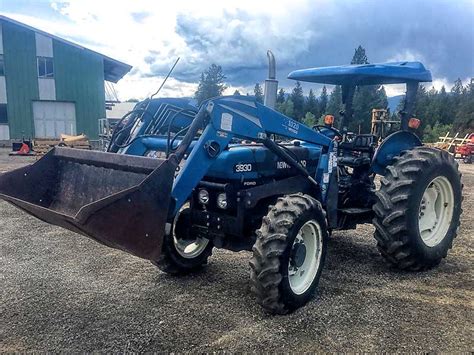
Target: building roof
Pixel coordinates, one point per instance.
(114, 70)
(365, 74)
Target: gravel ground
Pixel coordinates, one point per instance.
(61, 292)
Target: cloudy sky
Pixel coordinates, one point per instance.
(150, 35)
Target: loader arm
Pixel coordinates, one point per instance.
(242, 117)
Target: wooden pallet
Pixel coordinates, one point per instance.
(446, 142)
(451, 143)
(42, 146)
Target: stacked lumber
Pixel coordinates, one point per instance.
(450, 143)
(43, 145)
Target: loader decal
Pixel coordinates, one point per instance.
(242, 168)
(226, 121)
(284, 165)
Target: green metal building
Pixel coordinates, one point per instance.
(50, 86)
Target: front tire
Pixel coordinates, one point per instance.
(289, 254)
(418, 209)
(182, 254)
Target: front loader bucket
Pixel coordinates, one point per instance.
(119, 200)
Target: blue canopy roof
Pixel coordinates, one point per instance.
(365, 74)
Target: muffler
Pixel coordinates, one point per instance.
(271, 84)
(121, 201)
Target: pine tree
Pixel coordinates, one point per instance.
(237, 93)
(464, 118)
(201, 93)
(287, 108)
(323, 101)
(457, 89)
(281, 96)
(366, 98)
(297, 98)
(211, 83)
(359, 56)
(441, 112)
(258, 93)
(444, 106)
(456, 93)
(309, 119)
(311, 104)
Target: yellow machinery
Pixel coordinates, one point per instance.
(382, 123)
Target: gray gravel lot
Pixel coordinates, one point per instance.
(62, 292)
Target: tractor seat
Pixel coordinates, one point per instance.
(360, 143)
(357, 152)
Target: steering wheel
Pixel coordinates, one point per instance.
(334, 130)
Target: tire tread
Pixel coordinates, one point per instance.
(272, 240)
(392, 204)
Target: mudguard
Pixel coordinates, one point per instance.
(392, 146)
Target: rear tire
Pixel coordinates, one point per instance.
(181, 254)
(289, 254)
(418, 208)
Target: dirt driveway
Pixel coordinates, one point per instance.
(62, 292)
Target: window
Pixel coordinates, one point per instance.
(2, 66)
(45, 67)
(3, 114)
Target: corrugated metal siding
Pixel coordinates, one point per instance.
(80, 78)
(21, 78)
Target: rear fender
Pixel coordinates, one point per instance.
(392, 146)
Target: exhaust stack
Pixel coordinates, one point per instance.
(271, 84)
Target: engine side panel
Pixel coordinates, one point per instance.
(252, 162)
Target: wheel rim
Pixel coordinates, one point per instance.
(436, 211)
(305, 257)
(188, 249)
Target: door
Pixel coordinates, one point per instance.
(52, 118)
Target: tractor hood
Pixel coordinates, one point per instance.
(365, 74)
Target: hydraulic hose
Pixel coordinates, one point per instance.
(191, 133)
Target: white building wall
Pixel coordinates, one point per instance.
(4, 129)
(44, 46)
(3, 90)
(1, 40)
(47, 89)
(4, 132)
(46, 86)
(3, 86)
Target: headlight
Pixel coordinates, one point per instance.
(222, 201)
(203, 197)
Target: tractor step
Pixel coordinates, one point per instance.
(355, 210)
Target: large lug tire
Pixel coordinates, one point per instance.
(181, 254)
(418, 208)
(289, 254)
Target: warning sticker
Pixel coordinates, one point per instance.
(226, 121)
(332, 161)
(326, 178)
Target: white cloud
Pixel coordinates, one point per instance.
(110, 28)
(408, 56)
(302, 33)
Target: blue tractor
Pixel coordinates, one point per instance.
(179, 180)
